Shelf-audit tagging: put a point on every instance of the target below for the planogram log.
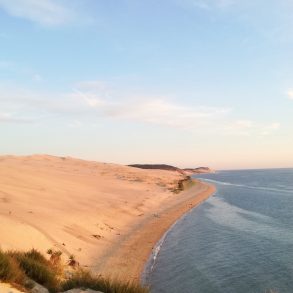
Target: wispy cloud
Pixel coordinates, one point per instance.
(44, 12)
(143, 108)
(93, 99)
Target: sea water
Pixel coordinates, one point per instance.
(238, 241)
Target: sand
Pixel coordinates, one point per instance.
(7, 288)
(108, 216)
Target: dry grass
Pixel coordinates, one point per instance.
(84, 279)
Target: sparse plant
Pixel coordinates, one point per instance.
(55, 256)
(72, 261)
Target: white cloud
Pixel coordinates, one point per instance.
(44, 12)
(163, 112)
(146, 109)
(94, 101)
(91, 99)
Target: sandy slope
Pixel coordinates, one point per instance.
(83, 208)
(47, 201)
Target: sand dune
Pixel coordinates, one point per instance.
(88, 209)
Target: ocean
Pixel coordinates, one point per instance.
(238, 241)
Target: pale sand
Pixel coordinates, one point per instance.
(109, 216)
(7, 288)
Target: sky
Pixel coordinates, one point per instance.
(183, 82)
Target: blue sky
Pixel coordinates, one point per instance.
(184, 82)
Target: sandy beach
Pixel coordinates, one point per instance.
(127, 258)
(108, 216)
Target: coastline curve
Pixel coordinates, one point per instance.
(128, 260)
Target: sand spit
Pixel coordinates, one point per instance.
(109, 216)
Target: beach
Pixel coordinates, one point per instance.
(128, 258)
(108, 216)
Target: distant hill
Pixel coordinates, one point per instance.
(199, 170)
(186, 171)
(156, 166)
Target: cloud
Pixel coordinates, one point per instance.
(145, 109)
(44, 12)
(165, 113)
(92, 100)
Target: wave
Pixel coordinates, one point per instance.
(249, 186)
(156, 252)
(150, 265)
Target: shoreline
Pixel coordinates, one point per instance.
(128, 259)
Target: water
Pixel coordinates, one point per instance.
(238, 241)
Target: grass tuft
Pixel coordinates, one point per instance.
(10, 270)
(84, 279)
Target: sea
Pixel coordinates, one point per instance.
(240, 240)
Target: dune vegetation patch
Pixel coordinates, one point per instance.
(22, 269)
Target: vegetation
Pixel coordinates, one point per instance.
(10, 270)
(21, 268)
(84, 279)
